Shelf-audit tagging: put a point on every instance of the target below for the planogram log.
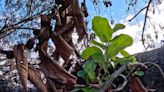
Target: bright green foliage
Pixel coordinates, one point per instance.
(125, 60)
(97, 55)
(117, 44)
(103, 54)
(118, 27)
(124, 53)
(101, 60)
(99, 44)
(91, 51)
(106, 50)
(102, 28)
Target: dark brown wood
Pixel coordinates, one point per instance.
(153, 78)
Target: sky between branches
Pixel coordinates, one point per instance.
(118, 12)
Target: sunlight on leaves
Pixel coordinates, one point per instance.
(102, 28)
(117, 44)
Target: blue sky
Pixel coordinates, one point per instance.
(118, 12)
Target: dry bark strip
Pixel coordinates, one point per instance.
(35, 78)
(62, 47)
(56, 74)
(22, 65)
(136, 85)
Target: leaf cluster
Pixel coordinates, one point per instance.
(103, 54)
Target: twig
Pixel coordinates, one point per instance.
(28, 28)
(137, 14)
(145, 20)
(96, 86)
(5, 33)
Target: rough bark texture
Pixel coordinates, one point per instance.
(153, 79)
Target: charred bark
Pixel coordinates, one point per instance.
(153, 78)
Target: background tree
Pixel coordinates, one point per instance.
(28, 25)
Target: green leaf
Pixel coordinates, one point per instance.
(90, 51)
(92, 76)
(118, 43)
(101, 60)
(97, 55)
(102, 28)
(125, 60)
(87, 89)
(139, 73)
(118, 27)
(99, 44)
(82, 74)
(89, 67)
(124, 53)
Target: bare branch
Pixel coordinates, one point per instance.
(145, 20)
(6, 31)
(137, 14)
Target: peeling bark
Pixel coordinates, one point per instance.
(35, 78)
(22, 65)
(55, 73)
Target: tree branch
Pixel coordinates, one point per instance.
(5, 30)
(145, 20)
(123, 85)
(137, 14)
(109, 82)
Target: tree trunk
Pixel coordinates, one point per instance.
(152, 78)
